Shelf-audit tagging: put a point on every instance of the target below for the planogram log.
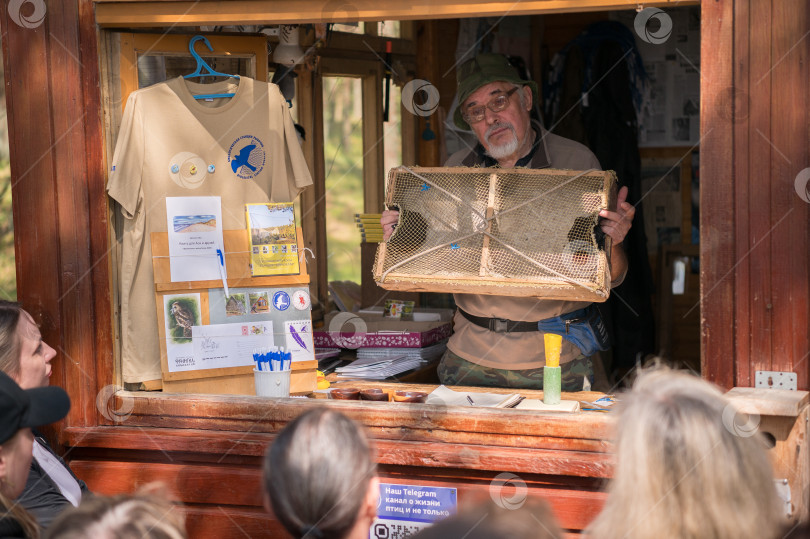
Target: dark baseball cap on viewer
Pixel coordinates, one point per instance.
(28, 408)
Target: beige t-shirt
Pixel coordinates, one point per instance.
(242, 149)
(525, 350)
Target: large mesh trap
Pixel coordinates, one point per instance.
(509, 232)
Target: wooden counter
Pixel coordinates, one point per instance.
(195, 441)
(191, 440)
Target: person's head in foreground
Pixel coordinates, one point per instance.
(21, 410)
(147, 514)
(23, 354)
(320, 478)
(682, 468)
(487, 520)
(496, 103)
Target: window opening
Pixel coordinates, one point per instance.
(8, 270)
(343, 156)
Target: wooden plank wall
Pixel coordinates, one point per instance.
(60, 216)
(234, 508)
(754, 226)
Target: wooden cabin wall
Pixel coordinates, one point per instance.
(59, 202)
(755, 140)
(754, 245)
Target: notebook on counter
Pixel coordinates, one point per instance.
(445, 396)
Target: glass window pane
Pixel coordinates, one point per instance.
(388, 28)
(155, 68)
(8, 272)
(349, 27)
(392, 131)
(343, 156)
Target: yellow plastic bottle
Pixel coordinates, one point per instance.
(552, 375)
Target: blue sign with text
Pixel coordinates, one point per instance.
(405, 509)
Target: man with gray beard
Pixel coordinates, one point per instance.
(496, 104)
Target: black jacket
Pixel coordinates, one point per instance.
(10, 528)
(42, 497)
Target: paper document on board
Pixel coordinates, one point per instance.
(195, 234)
(230, 345)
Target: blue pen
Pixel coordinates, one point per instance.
(257, 355)
(222, 272)
(287, 361)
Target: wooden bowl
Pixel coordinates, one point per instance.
(373, 394)
(410, 396)
(345, 393)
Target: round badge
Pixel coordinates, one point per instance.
(187, 170)
(281, 300)
(300, 300)
(211, 168)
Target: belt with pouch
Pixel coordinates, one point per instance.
(584, 327)
(503, 325)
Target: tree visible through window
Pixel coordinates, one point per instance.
(343, 155)
(8, 272)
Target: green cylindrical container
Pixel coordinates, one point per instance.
(552, 385)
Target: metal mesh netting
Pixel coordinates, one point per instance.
(510, 232)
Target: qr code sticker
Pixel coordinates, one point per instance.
(396, 529)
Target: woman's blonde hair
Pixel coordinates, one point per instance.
(12, 510)
(148, 514)
(10, 313)
(684, 469)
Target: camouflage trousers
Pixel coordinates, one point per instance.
(457, 371)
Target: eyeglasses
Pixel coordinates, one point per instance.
(476, 114)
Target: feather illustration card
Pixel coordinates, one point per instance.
(298, 334)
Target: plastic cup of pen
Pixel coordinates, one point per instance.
(272, 383)
(272, 372)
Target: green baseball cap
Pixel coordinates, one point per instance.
(481, 70)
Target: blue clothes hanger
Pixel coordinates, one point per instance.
(202, 64)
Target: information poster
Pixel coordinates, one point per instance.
(273, 240)
(195, 235)
(406, 509)
(670, 108)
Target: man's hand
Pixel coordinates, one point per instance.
(388, 221)
(616, 224)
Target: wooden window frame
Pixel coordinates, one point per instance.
(148, 410)
(126, 13)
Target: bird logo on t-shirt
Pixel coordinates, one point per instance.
(247, 157)
(241, 160)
